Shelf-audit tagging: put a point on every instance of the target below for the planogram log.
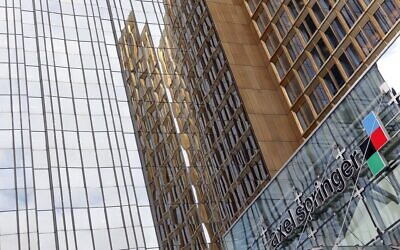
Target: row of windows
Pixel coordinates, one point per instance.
(226, 130)
(104, 238)
(66, 7)
(297, 69)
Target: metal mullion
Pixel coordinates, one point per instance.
(43, 110)
(63, 137)
(22, 134)
(124, 143)
(106, 124)
(12, 109)
(58, 171)
(92, 132)
(76, 124)
(62, 133)
(55, 136)
(134, 125)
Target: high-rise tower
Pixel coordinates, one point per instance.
(225, 160)
(70, 173)
(247, 82)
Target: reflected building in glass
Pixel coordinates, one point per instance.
(247, 82)
(170, 176)
(70, 172)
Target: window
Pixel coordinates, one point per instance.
(368, 38)
(320, 53)
(307, 28)
(306, 71)
(334, 80)
(272, 41)
(351, 11)
(295, 6)
(331, 38)
(325, 5)
(305, 115)
(295, 46)
(293, 89)
(273, 6)
(262, 20)
(317, 58)
(319, 98)
(282, 65)
(350, 60)
(338, 29)
(348, 68)
(353, 55)
(335, 33)
(310, 24)
(304, 32)
(283, 24)
(386, 16)
(318, 12)
(253, 4)
(392, 10)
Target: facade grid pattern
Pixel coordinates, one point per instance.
(224, 168)
(223, 145)
(175, 208)
(318, 48)
(71, 177)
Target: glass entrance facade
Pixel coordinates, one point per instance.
(365, 210)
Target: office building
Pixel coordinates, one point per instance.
(247, 82)
(334, 62)
(70, 172)
(225, 162)
(318, 49)
(341, 188)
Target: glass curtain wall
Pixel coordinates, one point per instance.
(70, 172)
(366, 213)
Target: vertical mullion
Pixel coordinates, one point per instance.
(11, 103)
(117, 141)
(23, 167)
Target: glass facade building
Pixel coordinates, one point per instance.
(240, 100)
(139, 124)
(203, 162)
(365, 212)
(70, 172)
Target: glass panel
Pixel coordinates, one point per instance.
(357, 214)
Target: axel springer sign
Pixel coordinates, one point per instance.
(335, 183)
(323, 191)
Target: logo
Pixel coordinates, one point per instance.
(333, 184)
(323, 192)
(377, 138)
